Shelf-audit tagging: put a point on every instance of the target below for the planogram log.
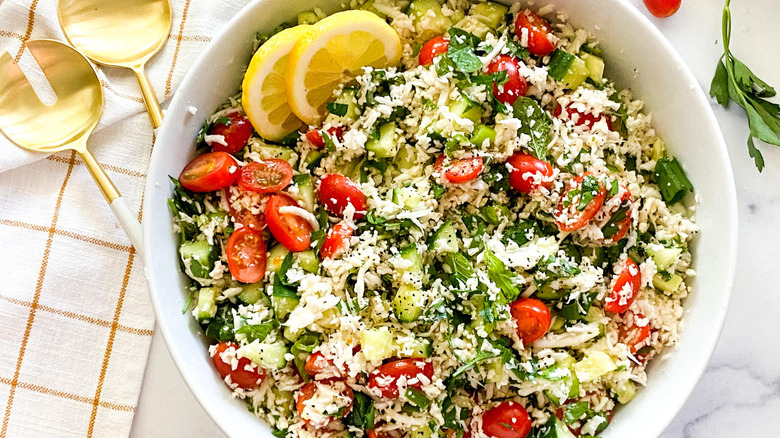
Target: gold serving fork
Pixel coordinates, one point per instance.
(120, 33)
(64, 124)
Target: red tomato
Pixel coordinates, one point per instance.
(570, 217)
(246, 255)
(537, 29)
(580, 119)
(336, 241)
(236, 132)
(246, 218)
(317, 364)
(337, 191)
(265, 176)
(460, 170)
(521, 164)
(209, 172)
(507, 420)
(316, 139)
(291, 230)
(662, 8)
(310, 390)
(625, 288)
(626, 200)
(532, 317)
(408, 368)
(632, 334)
(241, 376)
(433, 48)
(515, 85)
(371, 433)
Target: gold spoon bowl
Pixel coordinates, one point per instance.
(120, 33)
(64, 124)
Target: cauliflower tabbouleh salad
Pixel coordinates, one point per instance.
(483, 239)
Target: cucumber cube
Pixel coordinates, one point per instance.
(490, 13)
(385, 146)
(200, 255)
(625, 392)
(276, 256)
(251, 293)
(664, 257)
(348, 97)
(307, 18)
(428, 18)
(445, 239)
(466, 108)
(266, 355)
(482, 134)
(593, 366)
(595, 66)
(408, 303)
(267, 151)
(308, 260)
(669, 286)
(207, 303)
(576, 74)
(406, 197)
(283, 305)
(376, 344)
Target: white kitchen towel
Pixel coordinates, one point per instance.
(75, 317)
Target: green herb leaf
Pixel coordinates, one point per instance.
(338, 109)
(460, 267)
(258, 331)
(480, 357)
(502, 277)
(461, 50)
(671, 179)
(535, 124)
(362, 414)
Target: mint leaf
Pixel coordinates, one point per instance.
(461, 50)
(535, 124)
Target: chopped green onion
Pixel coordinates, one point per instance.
(671, 180)
(418, 398)
(559, 64)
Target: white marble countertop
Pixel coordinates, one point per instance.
(740, 392)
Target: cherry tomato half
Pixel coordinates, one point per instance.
(515, 85)
(246, 255)
(309, 390)
(337, 191)
(459, 170)
(662, 8)
(241, 376)
(316, 139)
(209, 172)
(521, 165)
(532, 318)
(537, 29)
(408, 368)
(291, 230)
(633, 335)
(265, 176)
(336, 241)
(625, 288)
(372, 433)
(318, 365)
(570, 214)
(244, 217)
(236, 131)
(580, 119)
(507, 420)
(433, 48)
(623, 225)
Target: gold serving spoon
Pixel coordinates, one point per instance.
(120, 33)
(64, 124)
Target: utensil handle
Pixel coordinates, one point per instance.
(118, 205)
(150, 99)
(129, 223)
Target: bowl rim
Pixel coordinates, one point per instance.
(179, 101)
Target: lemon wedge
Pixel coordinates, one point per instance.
(264, 97)
(333, 51)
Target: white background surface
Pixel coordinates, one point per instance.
(740, 393)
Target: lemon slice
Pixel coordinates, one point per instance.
(335, 50)
(264, 97)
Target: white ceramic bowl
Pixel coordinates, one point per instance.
(637, 56)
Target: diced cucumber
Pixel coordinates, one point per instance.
(386, 145)
(560, 430)
(445, 239)
(547, 293)
(493, 213)
(664, 257)
(625, 392)
(593, 366)
(466, 108)
(428, 18)
(376, 344)
(266, 151)
(292, 335)
(576, 74)
(283, 305)
(275, 258)
(557, 323)
(491, 14)
(594, 314)
(671, 285)
(419, 348)
(406, 197)
(201, 257)
(406, 158)
(352, 169)
(411, 254)
(560, 62)
(251, 293)
(266, 355)
(348, 97)
(308, 260)
(494, 370)
(457, 15)
(207, 303)
(595, 66)
(305, 194)
(480, 301)
(482, 134)
(313, 158)
(370, 7)
(658, 149)
(307, 18)
(408, 303)
(421, 432)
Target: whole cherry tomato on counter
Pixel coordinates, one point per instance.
(662, 8)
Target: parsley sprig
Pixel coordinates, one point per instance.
(734, 81)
